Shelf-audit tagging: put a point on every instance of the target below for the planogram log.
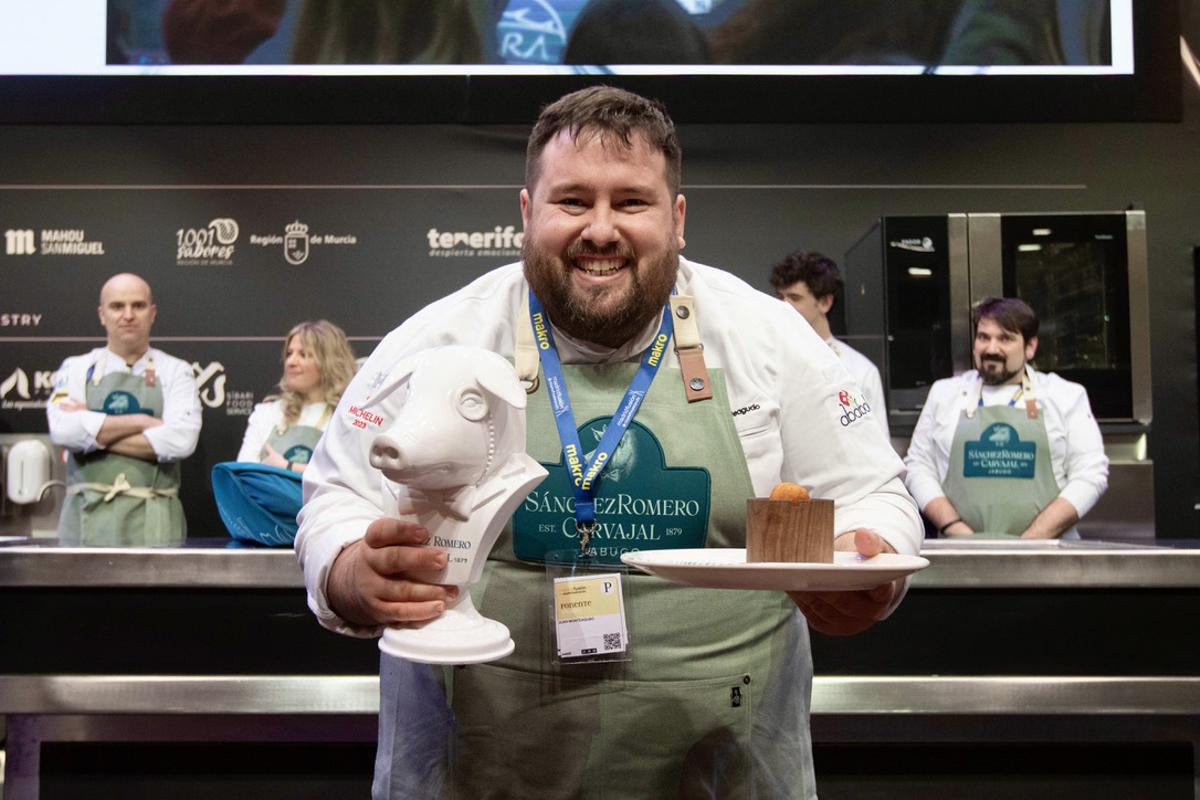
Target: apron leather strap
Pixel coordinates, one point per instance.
(690, 350)
(526, 359)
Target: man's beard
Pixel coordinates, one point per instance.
(590, 313)
(1003, 376)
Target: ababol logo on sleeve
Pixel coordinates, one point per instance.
(852, 406)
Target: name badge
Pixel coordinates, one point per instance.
(589, 616)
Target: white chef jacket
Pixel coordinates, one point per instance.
(1076, 447)
(267, 416)
(76, 431)
(785, 388)
(866, 375)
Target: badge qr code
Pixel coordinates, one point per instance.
(589, 615)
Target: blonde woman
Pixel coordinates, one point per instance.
(283, 429)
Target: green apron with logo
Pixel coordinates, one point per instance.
(1000, 476)
(115, 500)
(297, 442)
(714, 700)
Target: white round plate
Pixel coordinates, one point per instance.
(726, 568)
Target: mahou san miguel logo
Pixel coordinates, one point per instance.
(853, 407)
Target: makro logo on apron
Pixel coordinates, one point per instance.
(212, 245)
(851, 407)
(999, 453)
(499, 241)
(641, 504)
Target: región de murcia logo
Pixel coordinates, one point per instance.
(297, 240)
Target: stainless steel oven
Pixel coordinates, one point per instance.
(1084, 274)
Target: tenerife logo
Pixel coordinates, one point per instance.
(504, 242)
(55, 242)
(531, 32)
(852, 407)
(19, 393)
(922, 245)
(296, 241)
(209, 246)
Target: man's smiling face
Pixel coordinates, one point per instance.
(602, 235)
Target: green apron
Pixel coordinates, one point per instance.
(297, 442)
(1000, 476)
(714, 701)
(115, 500)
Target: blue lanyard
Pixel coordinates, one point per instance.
(584, 472)
(1012, 402)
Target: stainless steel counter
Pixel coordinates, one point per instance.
(832, 694)
(216, 563)
(936, 670)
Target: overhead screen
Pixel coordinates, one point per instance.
(493, 60)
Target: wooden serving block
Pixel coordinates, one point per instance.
(779, 530)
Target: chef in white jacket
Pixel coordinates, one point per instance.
(1005, 450)
(127, 414)
(810, 283)
(713, 699)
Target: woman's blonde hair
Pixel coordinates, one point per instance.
(335, 363)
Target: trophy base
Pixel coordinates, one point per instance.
(459, 636)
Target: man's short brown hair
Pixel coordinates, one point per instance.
(819, 273)
(616, 115)
(1010, 313)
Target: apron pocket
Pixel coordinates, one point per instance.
(524, 735)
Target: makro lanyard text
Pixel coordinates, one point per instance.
(584, 472)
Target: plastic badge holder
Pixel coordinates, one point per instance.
(567, 572)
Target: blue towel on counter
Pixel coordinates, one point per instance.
(258, 503)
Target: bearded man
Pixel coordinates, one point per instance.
(1005, 450)
(710, 695)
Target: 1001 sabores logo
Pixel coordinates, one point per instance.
(209, 246)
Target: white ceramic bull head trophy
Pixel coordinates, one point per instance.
(453, 458)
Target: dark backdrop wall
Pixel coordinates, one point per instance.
(395, 216)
